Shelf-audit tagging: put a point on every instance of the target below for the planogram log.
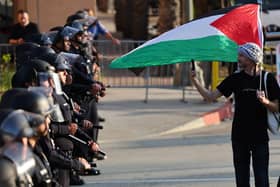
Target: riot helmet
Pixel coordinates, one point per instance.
(34, 102)
(69, 32)
(25, 76)
(56, 60)
(41, 65)
(40, 39)
(43, 70)
(8, 97)
(77, 25)
(56, 28)
(16, 124)
(56, 114)
(33, 73)
(45, 40)
(43, 50)
(72, 18)
(24, 53)
(52, 35)
(82, 13)
(88, 21)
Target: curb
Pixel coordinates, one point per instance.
(213, 117)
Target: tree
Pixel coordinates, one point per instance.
(167, 15)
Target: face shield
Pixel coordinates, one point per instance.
(16, 125)
(50, 80)
(21, 156)
(43, 79)
(56, 114)
(47, 91)
(56, 83)
(72, 58)
(34, 120)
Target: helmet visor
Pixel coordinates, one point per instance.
(21, 156)
(57, 84)
(43, 79)
(16, 125)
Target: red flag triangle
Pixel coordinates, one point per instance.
(241, 24)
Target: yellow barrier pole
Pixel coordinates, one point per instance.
(215, 74)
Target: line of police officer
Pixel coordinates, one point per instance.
(46, 138)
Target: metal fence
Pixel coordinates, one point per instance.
(158, 76)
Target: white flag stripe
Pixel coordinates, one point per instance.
(193, 30)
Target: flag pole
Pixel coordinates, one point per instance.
(262, 42)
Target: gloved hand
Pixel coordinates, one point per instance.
(72, 127)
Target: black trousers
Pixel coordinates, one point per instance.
(63, 177)
(242, 154)
(93, 117)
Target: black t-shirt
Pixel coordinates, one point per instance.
(17, 31)
(250, 119)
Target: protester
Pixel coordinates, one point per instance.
(24, 29)
(249, 126)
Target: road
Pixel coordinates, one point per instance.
(199, 158)
(139, 156)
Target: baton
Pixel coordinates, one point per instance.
(85, 143)
(78, 139)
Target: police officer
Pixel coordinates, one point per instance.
(37, 103)
(84, 91)
(57, 159)
(67, 110)
(14, 130)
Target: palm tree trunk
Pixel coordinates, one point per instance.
(167, 15)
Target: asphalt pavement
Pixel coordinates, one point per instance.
(129, 117)
(167, 142)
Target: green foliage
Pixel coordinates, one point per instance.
(7, 70)
(6, 58)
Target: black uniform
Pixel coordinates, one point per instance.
(60, 133)
(42, 175)
(58, 159)
(8, 177)
(60, 130)
(12, 159)
(26, 32)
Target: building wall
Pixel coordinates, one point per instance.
(51, 13)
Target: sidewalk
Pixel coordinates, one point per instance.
(128, 117)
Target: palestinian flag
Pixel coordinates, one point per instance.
(211, 38)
